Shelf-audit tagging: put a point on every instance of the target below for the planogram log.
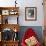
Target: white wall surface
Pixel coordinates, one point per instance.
(26, 3)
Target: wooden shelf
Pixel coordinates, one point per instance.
(10, 9)
(11, 26)
(10, 43)
(5, 12)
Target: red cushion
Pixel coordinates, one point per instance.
(29, 33)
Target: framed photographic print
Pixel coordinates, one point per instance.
(5, 12)
(31, 13)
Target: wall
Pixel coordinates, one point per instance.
(31, 3)
(26, 3)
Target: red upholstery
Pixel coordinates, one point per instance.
(29, 33)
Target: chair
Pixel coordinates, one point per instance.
(28, 36)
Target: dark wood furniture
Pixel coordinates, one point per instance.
(10, 43)
(4, 13)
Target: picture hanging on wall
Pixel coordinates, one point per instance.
(30, 13)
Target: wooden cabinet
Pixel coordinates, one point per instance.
(10, 43)
(7, 13)
(9, 25)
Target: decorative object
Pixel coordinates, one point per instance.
(31, 41)
(15, 3)
(13, 12)
(30, 13)
(30, 38)
(5, 12)
(15, 37)
(7, 34)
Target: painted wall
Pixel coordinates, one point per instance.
(26, 3)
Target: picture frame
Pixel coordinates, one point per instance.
(5, 12)
(30, 13)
